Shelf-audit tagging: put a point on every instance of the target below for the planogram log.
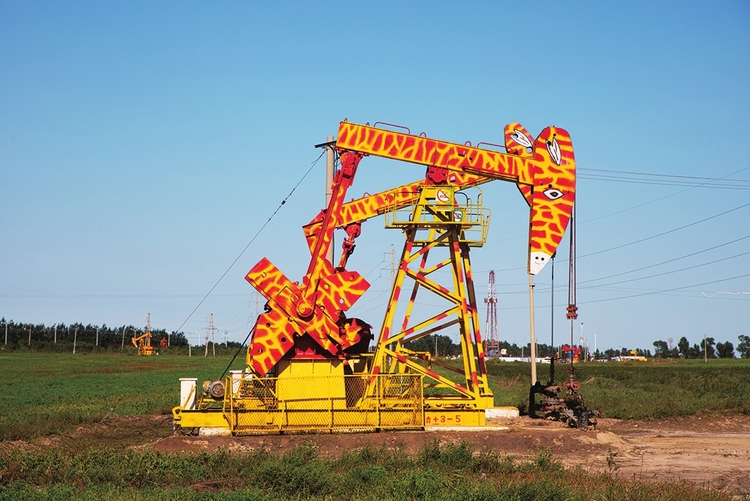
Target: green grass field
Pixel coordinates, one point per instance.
(50, 393)
(638, 390)
(53, 394)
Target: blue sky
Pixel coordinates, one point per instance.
(144, 145)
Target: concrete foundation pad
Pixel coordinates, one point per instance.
(489, 427)
(214, 432)
(502, 412)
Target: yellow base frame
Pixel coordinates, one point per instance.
(452, 418)
(264, 422)
(314, 396)
(307, 400)
(188, 419)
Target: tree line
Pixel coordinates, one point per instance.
(708, 348)
(443, 346)
(61, 337)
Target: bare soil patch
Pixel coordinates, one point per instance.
(706, 451)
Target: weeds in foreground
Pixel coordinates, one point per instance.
(436, 472)
(612, 465)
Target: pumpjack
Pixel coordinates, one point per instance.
(143, 342)
(309, 366)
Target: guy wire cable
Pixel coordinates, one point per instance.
(251, 242)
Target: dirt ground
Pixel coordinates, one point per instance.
(707, 451)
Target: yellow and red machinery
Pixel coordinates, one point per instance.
(309, 366)
(143, 343)
(571, 353)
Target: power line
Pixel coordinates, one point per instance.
(675, 176)
(661, 291)
(656, 236)
(665, 232)
(725, 292)
(668, 272)
(672, 260)
(664, 179)
(111, 296)
(659, 199)
(618, 179)
(649, 293)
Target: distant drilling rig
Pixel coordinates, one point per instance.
(492, 343)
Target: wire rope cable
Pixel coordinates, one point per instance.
(251, 241)
(240, 348)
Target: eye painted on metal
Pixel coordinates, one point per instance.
(521, 138)
(552, 193)
(554, 150)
